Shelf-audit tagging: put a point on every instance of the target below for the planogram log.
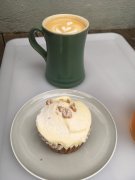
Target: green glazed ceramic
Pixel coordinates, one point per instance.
(64, 55)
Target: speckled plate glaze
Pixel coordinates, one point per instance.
(37, 158)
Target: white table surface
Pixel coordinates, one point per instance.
(110, 77)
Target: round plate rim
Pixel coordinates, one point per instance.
(63, 90)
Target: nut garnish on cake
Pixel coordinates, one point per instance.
(64, 123)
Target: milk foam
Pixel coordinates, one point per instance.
(65, 24)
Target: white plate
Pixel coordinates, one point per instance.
(35, 156)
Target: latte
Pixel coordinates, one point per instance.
(65, 24)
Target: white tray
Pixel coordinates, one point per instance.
(110, 77)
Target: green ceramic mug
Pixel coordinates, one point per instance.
(65, 36)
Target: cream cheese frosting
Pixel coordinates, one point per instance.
(64, 122)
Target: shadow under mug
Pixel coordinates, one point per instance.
(64, 55)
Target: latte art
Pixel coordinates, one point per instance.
(63, 24)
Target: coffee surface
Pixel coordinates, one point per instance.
(65, 25)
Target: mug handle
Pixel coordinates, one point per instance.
(34, 43)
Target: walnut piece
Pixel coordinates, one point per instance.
(68, 101)
(60, 108)
(72, 106)
(49, 101)
(65, 100)
(66, 113)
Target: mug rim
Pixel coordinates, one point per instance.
(73, 15)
